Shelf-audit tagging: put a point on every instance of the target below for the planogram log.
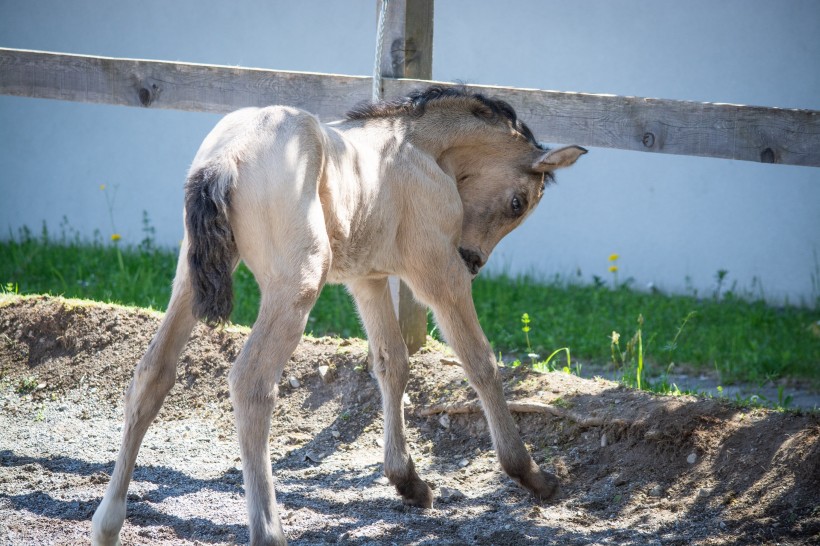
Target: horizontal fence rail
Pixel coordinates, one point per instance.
(171, 85)
(749, 133)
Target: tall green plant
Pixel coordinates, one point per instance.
(631, 359)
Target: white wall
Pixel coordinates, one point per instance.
(669, 217)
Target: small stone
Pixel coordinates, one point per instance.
(463, 462)
(405, 399)
(324, 374)
(603, 440)
(692, 458)
(444, 421)
(294, 382)
(313, 456)
(335, 434)
(656, 491)
(449, 494)
(379, 442)
(652, 434)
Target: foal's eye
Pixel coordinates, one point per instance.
(516, 206)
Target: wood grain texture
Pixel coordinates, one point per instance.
(392, 53)
(179, 86)
(418, 40)
(730, 131)
(749, 133)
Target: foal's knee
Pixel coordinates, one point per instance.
(249, 389)
(483, 373)
(391, 366)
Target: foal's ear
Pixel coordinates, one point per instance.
(557, 159)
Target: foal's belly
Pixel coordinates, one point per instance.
(342, 271)
(350, 262)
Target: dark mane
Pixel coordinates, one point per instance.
(415, 103)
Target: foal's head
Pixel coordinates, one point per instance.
(500, 169)
(501, 174)
(498, 191)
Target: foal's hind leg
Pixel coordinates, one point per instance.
(390, 364)
(283, 311)
(153, 378)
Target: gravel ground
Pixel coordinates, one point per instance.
(636, 468)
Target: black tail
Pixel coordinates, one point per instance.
(212, 250)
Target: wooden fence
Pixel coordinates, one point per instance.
(749, 133)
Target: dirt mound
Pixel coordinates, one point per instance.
(636, 468)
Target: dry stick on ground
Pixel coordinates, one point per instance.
(524, 407)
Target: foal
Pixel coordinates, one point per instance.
(422, 188)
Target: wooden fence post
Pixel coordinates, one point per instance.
(407, 52)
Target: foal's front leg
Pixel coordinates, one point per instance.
(450, 297)
(390, 364)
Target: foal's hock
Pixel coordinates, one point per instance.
(423, 188)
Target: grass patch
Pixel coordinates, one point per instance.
(741, 340)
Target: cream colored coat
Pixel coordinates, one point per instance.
(423, 189)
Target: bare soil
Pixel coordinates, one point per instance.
(636, 468)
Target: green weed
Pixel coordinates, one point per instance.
(10, 288)
(542, 366)
(525, 320)
(27, 385)
(631, 359)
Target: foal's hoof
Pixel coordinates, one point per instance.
(416, 493)
(543, 485)
(546, 487)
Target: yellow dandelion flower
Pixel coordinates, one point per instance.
(613, 257)
(613, 268)
(102, 187)
(116, 237)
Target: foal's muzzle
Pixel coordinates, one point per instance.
(472, 260)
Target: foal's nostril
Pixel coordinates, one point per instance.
(472, 260)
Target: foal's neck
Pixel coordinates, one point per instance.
(449, 134)
(460, 141)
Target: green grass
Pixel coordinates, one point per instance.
(742, 340)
